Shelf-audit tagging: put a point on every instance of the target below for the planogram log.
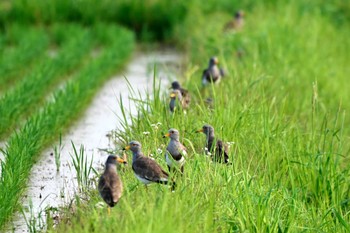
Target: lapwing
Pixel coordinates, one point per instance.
(175, 151)
(213, 73)
(110, 185)
(146, 169)
(236, 23)
(176, 100)
(185, 94)
(215, 147)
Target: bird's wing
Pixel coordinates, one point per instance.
(149, 170)
(183, 149)
(222, 151)
(105, 190)
(186, 97)
(206, 74)
(102, 183)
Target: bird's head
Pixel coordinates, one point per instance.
(175, 85)
(206, 129)
(173, 134)
(213, 61)
(134, 146)
(114, 159)
(239, 14)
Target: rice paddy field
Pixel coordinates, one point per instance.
(282, 108)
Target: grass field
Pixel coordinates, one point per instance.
(43, 124)
(282, 105)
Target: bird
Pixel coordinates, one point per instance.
(175, 151)
(176, 99)
(213, 73)
(110, 185)
(146, 169)
(216, 147)
(236, 23)
(185, 94)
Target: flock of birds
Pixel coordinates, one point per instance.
(146, 169)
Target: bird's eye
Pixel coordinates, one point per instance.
(133, 144)
(171, 132)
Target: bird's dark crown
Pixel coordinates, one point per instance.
(175, 85)
(135, 146)
(239, 14)
(213, 61)
(208, 129)
(112, 159)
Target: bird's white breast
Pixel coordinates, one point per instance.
(171, 162)
(143, 180)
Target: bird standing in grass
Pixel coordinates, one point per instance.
(185, 94)
(175, 152)
(216, 147)
(176, 100)
(213, 73)
(110, 185)
(146, 169)
(236, 23)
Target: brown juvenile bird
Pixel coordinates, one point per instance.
(236, 23)
(217, 149)
(110, 185)
(213, 73)
(146, 169)
(175, 151)
(185, 94)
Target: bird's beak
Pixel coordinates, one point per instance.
(126, 148)
(166, 135)
(121, 160)
(172, 95)
(199, 131)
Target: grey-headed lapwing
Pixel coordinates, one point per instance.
(175, 151)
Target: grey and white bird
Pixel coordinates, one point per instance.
(176, 101)
(175, 151)
(213, 73)
(236, 23)
(110, 185)
(216, 147)
(185, 94)
(146, 169)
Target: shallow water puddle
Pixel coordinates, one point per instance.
(49, 188)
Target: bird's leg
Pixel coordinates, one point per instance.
(109, 211)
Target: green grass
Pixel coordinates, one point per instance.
(47, 124)
(27, 46)
(151, 20)
(28, 95)
(284, 105)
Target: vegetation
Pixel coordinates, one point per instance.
(282, 106)
(26, 44)
(280, 109)
(29, 94)
(47, 124)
